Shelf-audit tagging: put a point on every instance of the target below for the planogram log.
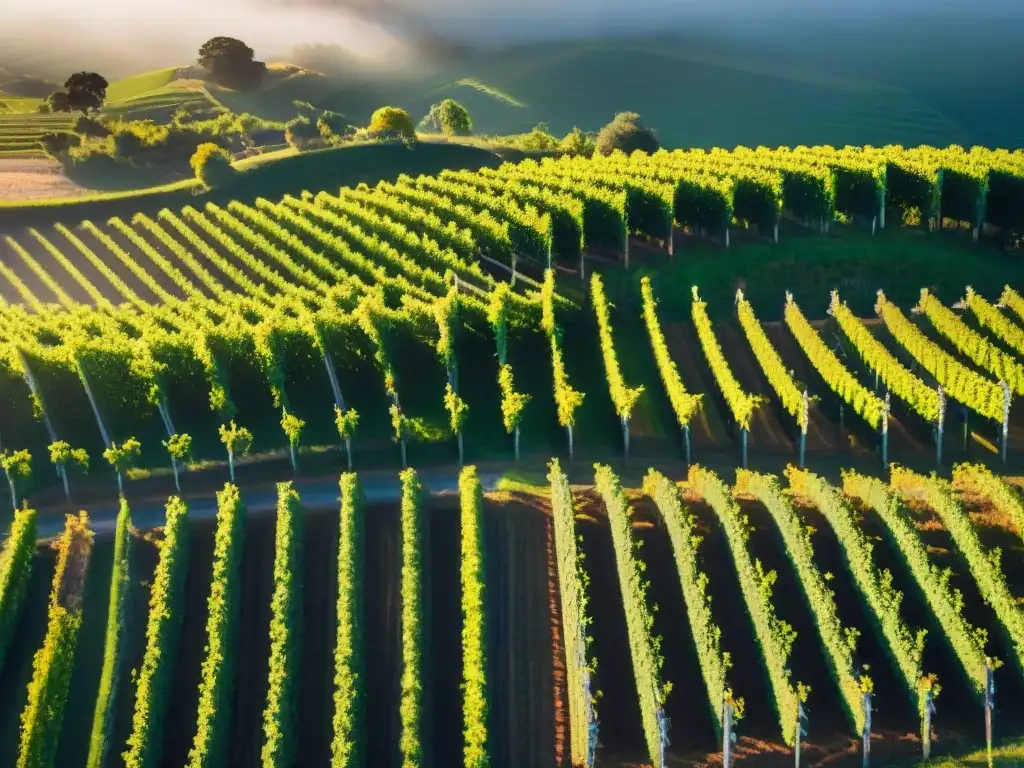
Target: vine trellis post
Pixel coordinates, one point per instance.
(866, 736)
(990, 705)
(926, 735)
(801, 732)
(940, 427)
(805, 417)
(885, 432)
(727, 734)
(1007, 396)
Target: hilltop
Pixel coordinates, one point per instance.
(694, 95)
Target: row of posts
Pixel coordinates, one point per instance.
(729, 735)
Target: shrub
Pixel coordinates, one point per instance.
(333, 126)
(301, 134)
(392, 123)
(91, 128)
(56, 102)
(59, 142)
(128, 145)
(627, 134)
(449, 117)
(576, 142)
(538, 140)
(212, 165)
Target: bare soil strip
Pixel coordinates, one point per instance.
(35, 178)
(183, 694)
(618, 708)
(253, 665)
(766, 432)
(708, 429)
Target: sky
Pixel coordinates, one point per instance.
(173, 31)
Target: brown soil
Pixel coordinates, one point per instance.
(821, 434)
(35, 178)
(708, 430)
(155, 272)
(182, 697)
(519, 634)
(381, 636)
(766, 431)
(560, 695)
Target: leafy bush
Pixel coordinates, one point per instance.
(576, 142)
(90, 127)
(538, 140)
(627, 134)
(334, 126)
(212, 165)
(302, 134)
(389, 123)
(60, 142)
(449, 117)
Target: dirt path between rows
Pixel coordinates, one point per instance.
(35, 178)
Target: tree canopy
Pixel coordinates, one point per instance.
(450, 118)
(392, 122)
(627, 134)
(83, 91)
(230, 62)
(86, 90)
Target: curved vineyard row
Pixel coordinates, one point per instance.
(644, 647)
(774, 636)
(946, 602)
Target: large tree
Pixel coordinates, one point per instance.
(450, 118)
(392, 123)
(230, 62)
(627, 134)
(86, 90)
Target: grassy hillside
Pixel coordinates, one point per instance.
(692, 98)
(138, 85)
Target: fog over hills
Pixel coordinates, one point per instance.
(376, 28)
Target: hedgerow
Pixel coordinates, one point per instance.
(280, 722)
(166, 610)
(113, 648)
(348, 746)
(213, 729)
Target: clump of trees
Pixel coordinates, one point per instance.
(83, 91)
(449, 117)
(145, 144)
(231, 63)
(626, 133)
